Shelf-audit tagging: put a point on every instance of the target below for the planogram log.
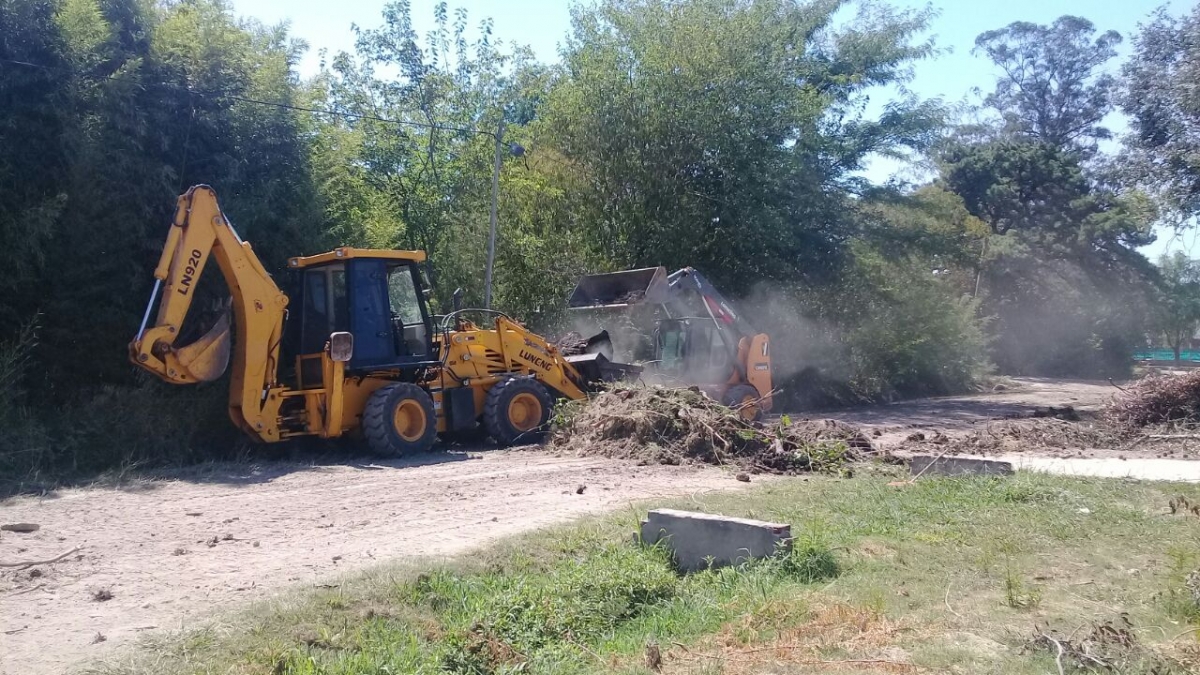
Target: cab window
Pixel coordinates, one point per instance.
(407, 317)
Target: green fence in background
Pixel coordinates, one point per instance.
(1165, 355)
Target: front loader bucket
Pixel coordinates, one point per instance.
(620, 289)
(596, 370)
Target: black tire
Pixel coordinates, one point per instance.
(738, 396)
(517, 410)
(400, 420)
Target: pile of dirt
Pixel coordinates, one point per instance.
(571, 344)
(659, 425)
(1155, 400)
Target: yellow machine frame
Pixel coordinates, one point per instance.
(258, 402)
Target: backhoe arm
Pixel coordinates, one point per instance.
(199, 231)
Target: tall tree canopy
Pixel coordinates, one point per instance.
(1160, 98)
(1052, 88)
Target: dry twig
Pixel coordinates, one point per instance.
(30, 563)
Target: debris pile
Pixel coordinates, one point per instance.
(571, 344)
(1109, 646)
(658, 425)
(1156, 399)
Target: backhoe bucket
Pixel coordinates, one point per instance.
(207, 358)
(620, 289)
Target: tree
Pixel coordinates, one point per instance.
(725, 134)
(1159, 97)
(1015, 184)
(1177, 315)
(1058, 275)
(33, 158)
(1050, 89)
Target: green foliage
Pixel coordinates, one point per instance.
(1180, 595)
(1160, 78)
(1177, 313)
(1052, 88)
(721, 134)
(707, 129)
(916, 333)
(131, 102)
(1059, 276)
(809, 561)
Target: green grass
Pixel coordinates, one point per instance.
(946, 575)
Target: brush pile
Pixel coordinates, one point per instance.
(1154, 400)
(657, 425)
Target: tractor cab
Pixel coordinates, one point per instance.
(378, 297)
(692, 349)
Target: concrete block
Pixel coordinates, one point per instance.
(693, 538)
(958, 466)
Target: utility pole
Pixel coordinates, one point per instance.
(491, 251)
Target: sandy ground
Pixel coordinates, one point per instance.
(171, 552)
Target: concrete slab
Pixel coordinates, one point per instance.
(700, 539)
(927, 465)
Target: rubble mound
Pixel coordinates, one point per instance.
(659, 425)
(1156, 399)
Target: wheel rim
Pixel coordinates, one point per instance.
(524, 412)
(409, 420)
(748, 407)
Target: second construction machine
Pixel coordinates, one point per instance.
(350, 348)
(699, 339)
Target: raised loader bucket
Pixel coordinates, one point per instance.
(620, 289)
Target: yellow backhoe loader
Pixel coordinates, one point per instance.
(699, 340)
(351, 347)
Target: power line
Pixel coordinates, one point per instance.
(242, 99)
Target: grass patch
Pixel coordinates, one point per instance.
(946, 575)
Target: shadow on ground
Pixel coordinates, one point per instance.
(262, 464)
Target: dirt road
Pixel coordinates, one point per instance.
(174, 551)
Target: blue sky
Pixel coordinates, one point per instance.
(542, 24)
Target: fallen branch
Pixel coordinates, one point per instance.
(30, 563)
(27, 590)
(1058, 658)
(947, 600)
(1193, 629)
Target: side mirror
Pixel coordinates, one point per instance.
(341, 346)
